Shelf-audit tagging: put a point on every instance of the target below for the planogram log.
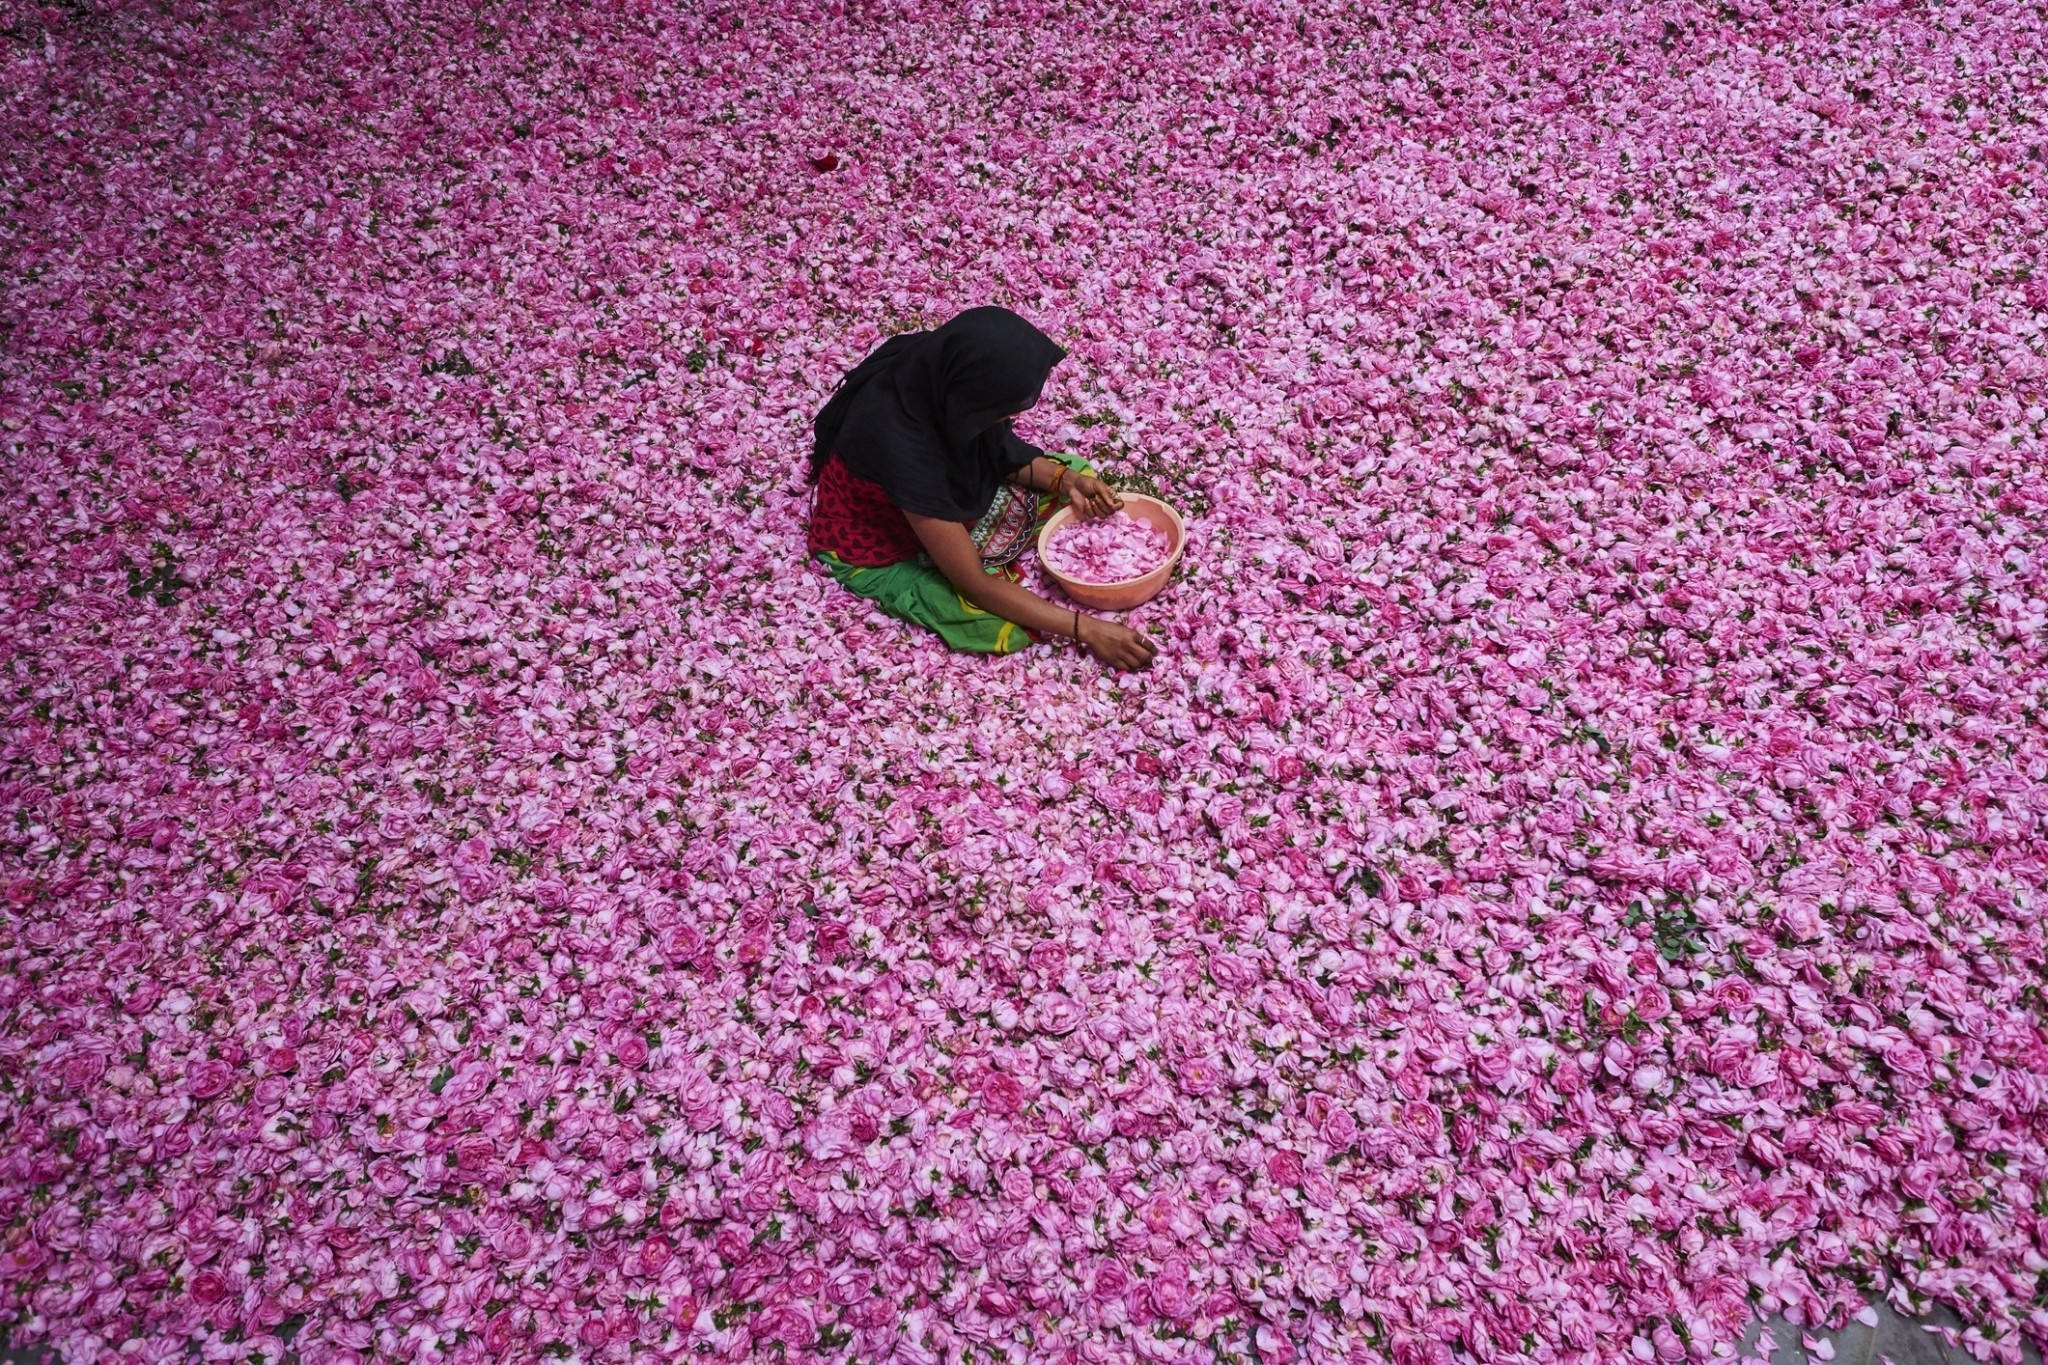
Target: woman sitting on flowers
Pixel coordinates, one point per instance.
(926, 496)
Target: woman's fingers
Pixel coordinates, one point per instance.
(1121, 647)
(1094, 498)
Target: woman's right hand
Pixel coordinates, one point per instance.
(1116, 645)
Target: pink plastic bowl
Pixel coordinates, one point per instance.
(1132, 591)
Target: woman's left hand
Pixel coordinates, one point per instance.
(1092, 497)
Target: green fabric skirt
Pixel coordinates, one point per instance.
(915, 590)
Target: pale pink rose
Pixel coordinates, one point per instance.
(1491, 1065)
(1801, 920)
(1232, 973)
(1422, 1120)
(702, 1103)
(1752, 1070)
(1274, 1237)
(207, 1078)
(1284, 1168)
(683, 943)
(514, 1242)
(1907, 1059)
(1274, 1348)
(1001, 1093)
(474, 1152)
(831, 939)
(1921, 1181)
(1172, 1295)
(81, 1069)
(1110, 1281)
(1048, 958)
(1200, 1076)
(1733, 995)
(1017, 1185)
(1057, 1014)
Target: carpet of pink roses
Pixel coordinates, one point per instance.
(1111, 549)
(1572, 882)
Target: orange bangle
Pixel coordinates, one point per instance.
(1054, 491)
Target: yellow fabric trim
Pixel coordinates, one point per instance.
(969, 607)
(1003, 637)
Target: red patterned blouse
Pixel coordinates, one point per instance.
(854, 519)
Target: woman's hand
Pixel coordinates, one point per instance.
(1116, 645)
(1091, 497)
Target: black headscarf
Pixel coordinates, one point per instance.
(926, 416)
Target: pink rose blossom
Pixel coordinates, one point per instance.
(1002, 1093)
(1110, 1281)
(1058, 1014)
(79, 1070)
(475, 1152)
(1172, 1296)
(1421, 1120)
(1200, 1076)
(207, 1078)
(1275, 1347)
(1049, 959)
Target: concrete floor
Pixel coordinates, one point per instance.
(1895, 1340)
